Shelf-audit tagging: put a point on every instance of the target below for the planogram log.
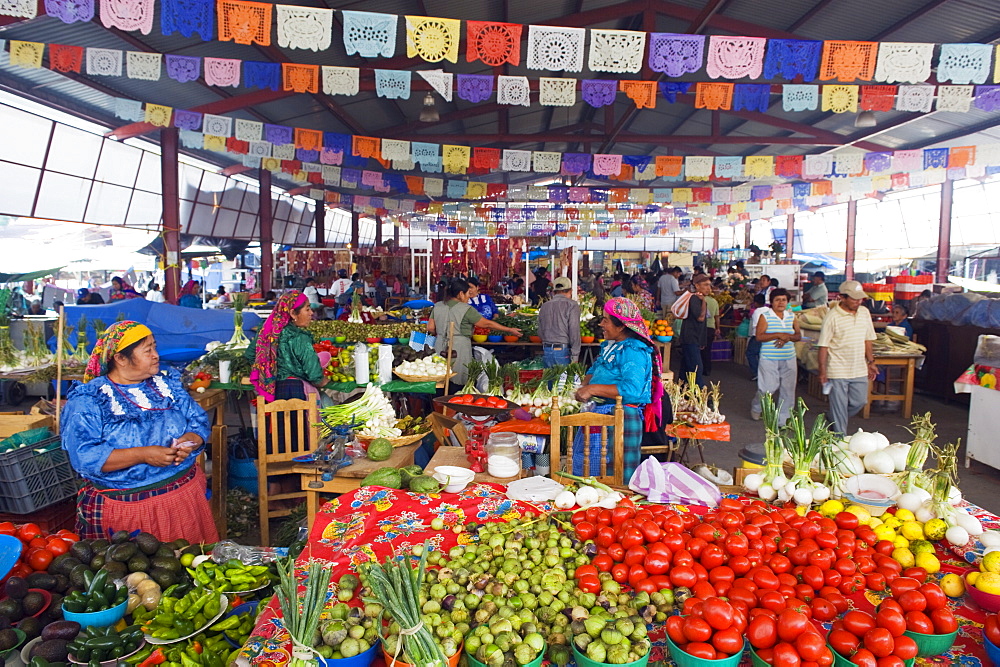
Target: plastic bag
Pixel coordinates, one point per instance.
(673, 483)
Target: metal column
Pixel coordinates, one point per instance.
(266, 232)
(852, 228)
(944, 233)
(171, 215)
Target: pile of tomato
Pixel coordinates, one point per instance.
(478, 401)
(38, 548)
(765, 561)
(712, 629)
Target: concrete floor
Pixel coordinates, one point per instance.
(980, 484)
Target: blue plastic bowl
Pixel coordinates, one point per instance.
(97, 619)
(389, 341)
(237, 611)
(360, 660)
(992, 651)
(494, 339)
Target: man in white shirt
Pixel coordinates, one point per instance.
(154, 294)
(669, 289)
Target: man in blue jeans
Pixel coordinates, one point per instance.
(559, 326)
(694, 331)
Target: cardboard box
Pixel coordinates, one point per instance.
(11, 424)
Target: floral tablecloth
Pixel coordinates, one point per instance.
(375, 522)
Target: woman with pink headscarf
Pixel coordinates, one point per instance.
(628, 366)
(285, 365)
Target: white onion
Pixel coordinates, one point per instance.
(970, 523)
(803, 496)
(863, 443)
(909, 501)
(957, 536)
(879, 462)
(766, 492)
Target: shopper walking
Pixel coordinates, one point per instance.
(846, 359)
(777, 331)
(559, 326)
(817, 295)
(694, 332)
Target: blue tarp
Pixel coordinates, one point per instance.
(181, 333)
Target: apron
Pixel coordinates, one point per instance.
(444, 315)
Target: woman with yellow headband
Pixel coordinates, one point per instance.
(133, 433)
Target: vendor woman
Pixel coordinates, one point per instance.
(628, 366)
(133, 433)
(284, 363)
(457, 311)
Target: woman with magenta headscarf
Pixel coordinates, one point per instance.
(627, 366)
(285, 365)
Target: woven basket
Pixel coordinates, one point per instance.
(401, 441)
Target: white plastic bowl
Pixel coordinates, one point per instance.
(875, 493)
(454, 478)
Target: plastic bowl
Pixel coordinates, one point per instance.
(683, 659)
(97, 619)
(494, 338)
(454, 478)
(359, 660)
(583, 661)
(389, 341)
(928, 645)
(992, 651)
(479, 338)
(986, 601)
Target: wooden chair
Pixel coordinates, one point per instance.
(285, 430)
(585, 420)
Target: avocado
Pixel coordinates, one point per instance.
(61, 630)
(171, 564)
(97, 562)
(42, 580)
(53, 650)
(16, 588)
(31, 627)
(120, 537)
(121, 552)
(115, 569)
(11, 608)
(8, 639)
(147, 543)
(138, 563)
(82, 551)
(165, 578)
(33, 603)
(76, 576)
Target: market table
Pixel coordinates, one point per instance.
(347, 479)
(213, 401)
(456, 456)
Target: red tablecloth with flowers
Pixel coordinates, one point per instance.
(375, 522)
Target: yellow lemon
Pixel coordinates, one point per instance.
(884, 532)
(831, 508)
(904, 557)
(863, 515)
(935, 529)
(905, 515)
(921, 547)
(952, 585)
(892, 522)
(989, 582)
(912, 530)
(929, 562)
(971, 577)
(991, 562)
(901, 542)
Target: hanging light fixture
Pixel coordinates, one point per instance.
(429, 114)
(864, 119)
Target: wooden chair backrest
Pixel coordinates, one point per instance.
(295, 434)
(585, 420)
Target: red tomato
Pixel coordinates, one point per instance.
(791, 624)
(864, 658)
(858, 622)
(879, 642)
(810, 646)
(843, 642)
(785, 655)
(944, 621)
(701, 650)
(697, 629)
(935, 597)
(892, 620)
(912, 600)
(905, 648)
(918, 621)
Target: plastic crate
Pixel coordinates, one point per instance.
(35, 477)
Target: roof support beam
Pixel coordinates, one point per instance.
(226, 105)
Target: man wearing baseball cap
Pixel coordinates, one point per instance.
(846, 359)
(559, 325)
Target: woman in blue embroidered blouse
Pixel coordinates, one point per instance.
(628, 366)
(133, 433)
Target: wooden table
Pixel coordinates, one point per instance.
(349, 478)
(214, 401)
(455, 456)
(908, 364)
